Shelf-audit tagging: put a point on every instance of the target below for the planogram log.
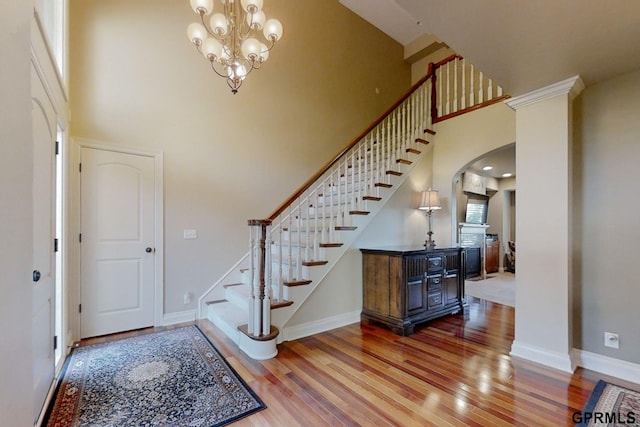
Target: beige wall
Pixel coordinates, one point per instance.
(136, 80)
(16, 168)
(606, 214)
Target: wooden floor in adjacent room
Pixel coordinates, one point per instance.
(451, 371)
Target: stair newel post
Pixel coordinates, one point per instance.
(265, 286)
(259, 294)
(252, 274)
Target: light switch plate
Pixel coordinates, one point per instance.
(190, 234)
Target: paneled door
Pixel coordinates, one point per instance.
(117, 241)
(44, 217)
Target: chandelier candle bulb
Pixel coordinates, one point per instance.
(229, 39)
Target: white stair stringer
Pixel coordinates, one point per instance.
(228, 315)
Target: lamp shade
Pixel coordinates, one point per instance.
(429, 201)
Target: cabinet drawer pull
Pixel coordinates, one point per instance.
(450, 276)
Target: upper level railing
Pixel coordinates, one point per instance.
(458, 87)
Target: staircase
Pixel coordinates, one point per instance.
(294, 249)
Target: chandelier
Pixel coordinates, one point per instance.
(229, 40)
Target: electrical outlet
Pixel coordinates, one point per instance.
(187, 298)
(190, 234)
(611, 340)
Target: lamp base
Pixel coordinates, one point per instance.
(429, 244)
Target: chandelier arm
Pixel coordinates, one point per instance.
(226, 76)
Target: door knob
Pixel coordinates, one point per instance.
(148, 250)
(36, 275)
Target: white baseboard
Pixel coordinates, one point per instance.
(556, 360)
(306, 329)
(608, 365)
(179, 317)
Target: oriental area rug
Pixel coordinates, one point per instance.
(168, 378)
(610, 405)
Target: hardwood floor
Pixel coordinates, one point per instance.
(451, 371)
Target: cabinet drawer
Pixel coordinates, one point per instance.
(434, 282)
(434, 300)
(435, 263)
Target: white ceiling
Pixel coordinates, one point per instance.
(521, 44)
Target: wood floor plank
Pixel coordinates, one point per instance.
(453, 371)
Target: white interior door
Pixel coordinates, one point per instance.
(43, 194)
(117, 241)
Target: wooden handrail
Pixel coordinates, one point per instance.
(445, 60)
(469, 109)
(304, 187)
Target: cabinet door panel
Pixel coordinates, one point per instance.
(415, 297)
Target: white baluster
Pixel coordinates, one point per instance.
(316, 211)
(353, 181)
(290, 245)
(347, 201)
(332, 224)
(299, 251)
(280, 255)
(499, 91)
(455, 84)
(463, 98)
(325, 233)
(448, 86)
(490, 90)
(472, 91)
(360, 182)
(480, 89)
(380, 137)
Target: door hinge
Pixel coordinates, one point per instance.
(80, 237)
(80, 167)
(79, 308)
(57, 147)
(55, 342)
(55, 245)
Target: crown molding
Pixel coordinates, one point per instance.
(571, 86)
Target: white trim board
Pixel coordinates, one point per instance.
(608, 365)
(295, 332)
(179, 317)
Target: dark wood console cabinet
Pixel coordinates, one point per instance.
(404, 286)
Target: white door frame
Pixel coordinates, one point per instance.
(158, 156)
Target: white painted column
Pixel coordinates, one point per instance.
(543, 330)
